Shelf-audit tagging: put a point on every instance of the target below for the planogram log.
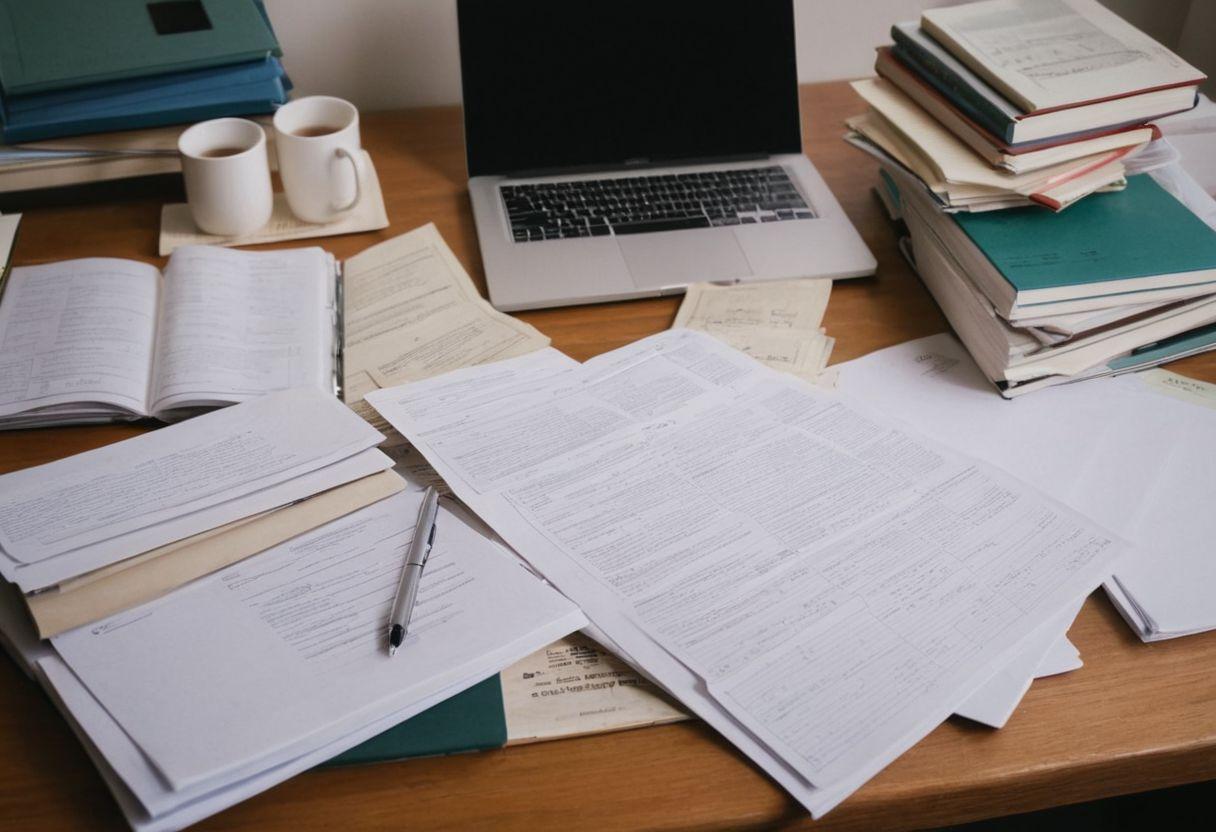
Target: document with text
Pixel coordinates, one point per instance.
(821, 584)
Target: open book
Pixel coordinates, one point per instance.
(103, 339)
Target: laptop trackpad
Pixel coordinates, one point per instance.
(677, 258)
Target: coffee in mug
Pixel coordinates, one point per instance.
(227, 176)
(321, 159)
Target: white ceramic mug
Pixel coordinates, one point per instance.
(321, 161)
(227, 176)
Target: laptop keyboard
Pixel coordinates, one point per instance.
(639, 204)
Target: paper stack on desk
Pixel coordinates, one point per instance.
(245, 678)
(95, 533)
(1134, 452)
(818, 583)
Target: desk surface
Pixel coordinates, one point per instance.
(1136, 717)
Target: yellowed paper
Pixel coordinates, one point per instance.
(411, 311)
(1180, 387)
(776, 323)
(177, 227)
(573, 687)
(152, 574)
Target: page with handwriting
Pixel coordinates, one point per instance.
(78, 331)
(839, 584)
(238, 324)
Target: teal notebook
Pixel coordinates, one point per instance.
(1134, 240)
(53, 44)
(472, 720)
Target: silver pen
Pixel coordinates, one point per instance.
(411, 574)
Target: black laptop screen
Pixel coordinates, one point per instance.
(554, 84)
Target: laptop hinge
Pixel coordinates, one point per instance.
(633, 164)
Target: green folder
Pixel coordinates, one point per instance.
(1128, 241)
(54, 44)
(472, 720)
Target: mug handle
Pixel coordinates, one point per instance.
(360, 168)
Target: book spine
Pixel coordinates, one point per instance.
(943, 79)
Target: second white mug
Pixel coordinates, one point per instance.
(320, 157)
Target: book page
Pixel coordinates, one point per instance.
(411, 311)
(838, 583)
(1056, 53)
(77, 331)
(239, 324)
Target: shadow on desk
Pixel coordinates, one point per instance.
(1177, 810)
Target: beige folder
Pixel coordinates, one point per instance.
(154, 573)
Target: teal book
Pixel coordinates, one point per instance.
(472, 720)
(1133, 243)
(56, 44)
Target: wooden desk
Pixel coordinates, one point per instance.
(1136, 717)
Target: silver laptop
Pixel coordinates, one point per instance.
(626, 148)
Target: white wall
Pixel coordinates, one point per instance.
(382, 54)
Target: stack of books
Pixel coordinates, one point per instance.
(1001, 103)
(73, 72)
(1121, 280)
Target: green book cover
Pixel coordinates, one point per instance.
(1139, 232)
(470, 721)
(53, 44)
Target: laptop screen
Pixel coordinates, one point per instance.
(552, 84)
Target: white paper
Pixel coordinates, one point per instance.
(995, 702)
(769, 538)
(86, 503)
(1136, 460)
(80, 330)
(239, 324)
(293, 655)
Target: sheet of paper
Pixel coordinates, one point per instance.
(75, 331)
(411, 311)
(1116, 449)
(574, 687)
(137, 786)
(146, 577)
(1063, 657)
(772, 539)
(995, 702)
(17, 633)
(86, 511)
(177, 227)
(777, 323)
(294, 654)
(235, 325)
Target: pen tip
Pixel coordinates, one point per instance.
(392, 650)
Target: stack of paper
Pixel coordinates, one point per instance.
(247, 677)
(776, 323)
(1132, 452)
(820, 584)
(98, 532)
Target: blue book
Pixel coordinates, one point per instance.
(233, 100)
(138, 91)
